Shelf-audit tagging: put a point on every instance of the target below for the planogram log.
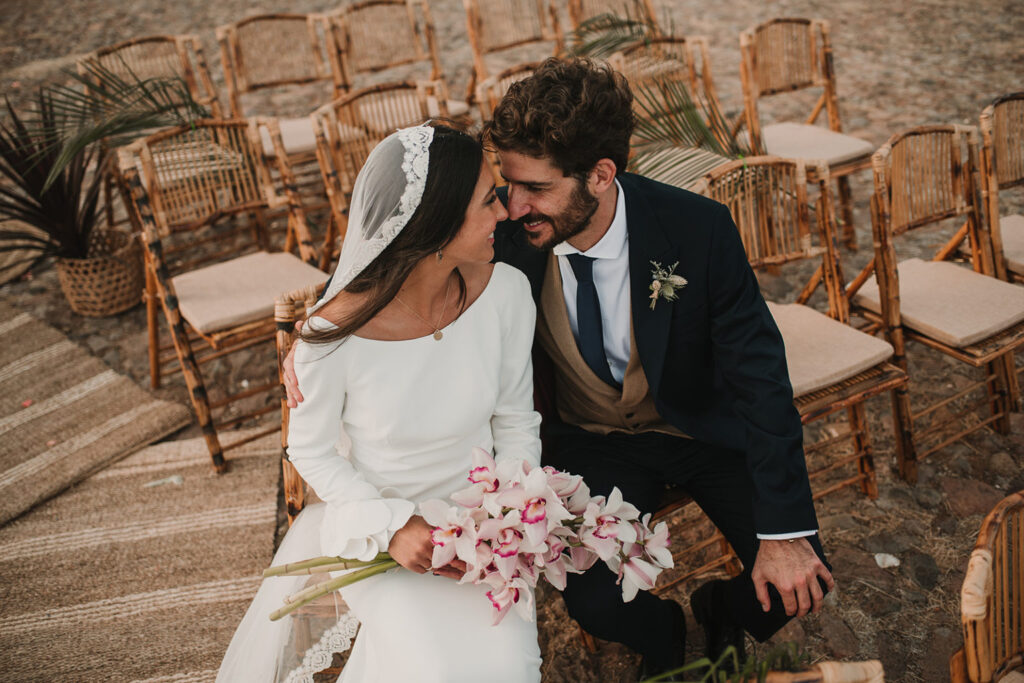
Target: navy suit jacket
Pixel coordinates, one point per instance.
(713, 358)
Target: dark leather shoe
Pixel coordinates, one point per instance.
(653, 666)
(719, 630)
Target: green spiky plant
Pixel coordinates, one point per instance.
(678, 137)
(53, 161)
(728, 669)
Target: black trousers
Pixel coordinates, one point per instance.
(640, 465)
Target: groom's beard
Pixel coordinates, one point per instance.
(569, 222)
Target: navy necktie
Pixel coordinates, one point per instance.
(588, 318)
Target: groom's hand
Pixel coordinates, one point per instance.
(291, 382)
(412, 548)
(793, 568)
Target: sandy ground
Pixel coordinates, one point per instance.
(898, 64)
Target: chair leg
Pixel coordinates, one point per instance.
(196, 388)
(862, 444)
(153, 326)
(846, 206)
(1012, 382)
(999, 395)
(903, 428)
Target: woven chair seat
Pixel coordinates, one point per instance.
(950, 303)
(240, 290)
(1013, 677)
(801, 141)
(1012, 229)
(821, 351)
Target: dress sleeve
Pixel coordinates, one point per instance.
(515, 425)
(359, 521)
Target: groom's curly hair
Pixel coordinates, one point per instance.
(573, 111)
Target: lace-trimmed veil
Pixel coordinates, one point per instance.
(387, 192)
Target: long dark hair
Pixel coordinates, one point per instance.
(452, 174)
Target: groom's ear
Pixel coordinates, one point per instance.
(601, 176)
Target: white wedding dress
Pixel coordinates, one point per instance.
(384, 426)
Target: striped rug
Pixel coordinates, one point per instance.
(142, 571)
(64, 414)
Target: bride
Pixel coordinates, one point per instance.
(418, 351)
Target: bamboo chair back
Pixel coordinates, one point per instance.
(783, 55)
(927, 174)
(179, 56)
(652, 66)
(495, 26)
(636, 10)
(348, 128)
(768, 199)
(992, 597)
(375, 35)
(490, 91)
(290, 308)
(1002, 160)
(273, 50)
(196, 175)
(1002, 130)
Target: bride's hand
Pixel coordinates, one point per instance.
(411, 547)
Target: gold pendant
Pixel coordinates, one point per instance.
(438, 334)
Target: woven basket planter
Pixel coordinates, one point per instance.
(109, 281)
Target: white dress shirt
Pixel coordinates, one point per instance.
(611, 279)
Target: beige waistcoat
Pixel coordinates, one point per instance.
(581, 397)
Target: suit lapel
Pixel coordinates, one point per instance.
(647, 242)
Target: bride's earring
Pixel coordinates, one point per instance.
(440, 255)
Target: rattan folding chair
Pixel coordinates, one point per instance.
(1002, 160)
(783, 55)
(216, 283)
(283, 54)
(348, 128)
(499, 28)
(140, 59)
(924, 176)
(992, 600)
(833, 366)
(636, 10)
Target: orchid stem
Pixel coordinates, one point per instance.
(297, 568)
(310, 594)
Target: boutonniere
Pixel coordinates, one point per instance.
(664, 283)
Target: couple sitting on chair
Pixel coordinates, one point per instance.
(420, 349)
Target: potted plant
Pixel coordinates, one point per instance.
(53, 166)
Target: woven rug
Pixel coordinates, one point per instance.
(64, 414)
(142, 571)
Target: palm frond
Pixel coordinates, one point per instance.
(606, 34)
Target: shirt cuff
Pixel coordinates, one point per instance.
(787, 536)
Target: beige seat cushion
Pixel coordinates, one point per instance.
(296, 134)
(950, 303)
(240, 290)
(456, 108)
(801, 141)
(1012, 230)
(1016, 676)
(821, 351)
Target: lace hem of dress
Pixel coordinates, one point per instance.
(335, 640)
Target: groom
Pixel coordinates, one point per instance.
(650, 389)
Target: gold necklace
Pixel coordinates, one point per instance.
(438, 334)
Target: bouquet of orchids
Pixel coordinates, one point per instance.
(514, 524)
